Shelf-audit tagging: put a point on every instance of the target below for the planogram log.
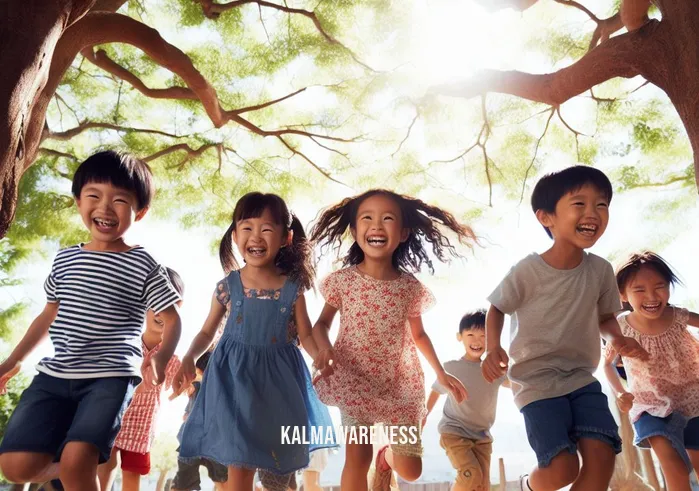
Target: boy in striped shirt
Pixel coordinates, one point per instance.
(97, 294)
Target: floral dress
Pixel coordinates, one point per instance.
(669, 381)
(378, 377)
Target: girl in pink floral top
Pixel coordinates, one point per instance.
(663, 391)
(373, 372)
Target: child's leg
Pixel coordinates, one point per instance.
(597, 465)
(597, 435)
(106, 473)
(549, 423)
(133, 466)
(471, 461)
(101, 402)
(78, 470)
(239, 479)
(405, 454)
(36, 430)
(357, 462)
(691, 443)
(311, 481)
(673, 465)
(130, 481)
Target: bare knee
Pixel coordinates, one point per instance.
(79, 461)
(563, 469)
(669, 457)
(20, 469)
(408, 468)
(358, 456)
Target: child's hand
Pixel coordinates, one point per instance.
(453, 385)
(184, 376)
(324, 363)
(629, 348)
(154, 372)
(624, 401)
(495, 364)
(8, 369)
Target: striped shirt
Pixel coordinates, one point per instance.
(102, 302)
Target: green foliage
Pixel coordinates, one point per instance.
(9, 401)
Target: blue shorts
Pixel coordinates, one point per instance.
(555, 425)
(54, 411)
(682, 433)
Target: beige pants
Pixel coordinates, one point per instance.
(470, 458)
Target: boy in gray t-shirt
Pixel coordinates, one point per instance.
(465, 428)
(560, 302)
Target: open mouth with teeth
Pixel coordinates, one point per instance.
(587, 229)
(256, 251)
(652, 307)
(377, 240)
(476, 348)
(105, 224)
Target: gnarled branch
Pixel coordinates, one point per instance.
(622, 56)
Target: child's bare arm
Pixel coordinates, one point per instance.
(431, 401)
(624, 399)
(424, 344)
(624, 346)
(325, 358)
(507, 383)
(200, 343)
(304, 327)
(36, 332)
(496, 359)
(693, 319)
(172, 329)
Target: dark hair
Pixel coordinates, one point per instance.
(176, 281)
(630, 268)
(295, 259)
(552, 187)
(120, 170)
(422, 219)
(203, 361)
(472, 320)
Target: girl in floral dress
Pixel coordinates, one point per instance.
(663, 391)
(373, 373)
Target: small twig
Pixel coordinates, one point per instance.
(313, 164)
(536, 151)
(407, 135)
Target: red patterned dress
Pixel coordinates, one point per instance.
(378, 377)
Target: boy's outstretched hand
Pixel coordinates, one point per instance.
(184, 376)
(453, 385)
(495, 364)
(154, 371)
(628, 347)
(8, 369)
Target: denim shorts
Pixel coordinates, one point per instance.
(188, 478)
(555, 425)
(682, 433)
(54, 411)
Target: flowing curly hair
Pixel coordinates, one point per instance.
(424, 222)
(294, 260)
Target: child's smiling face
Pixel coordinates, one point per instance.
(648, 292)
(108, 211)
(259, 239)
(580, 219)
(378, 229)
(474, 342)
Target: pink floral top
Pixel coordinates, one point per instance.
(378, 377)
(669, 381)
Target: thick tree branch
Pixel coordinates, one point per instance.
(192, 153)
(626, 56)
(213, 10)
(88, 125)
(605, 28)
(56, 153)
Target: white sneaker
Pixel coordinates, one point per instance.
(523, 485)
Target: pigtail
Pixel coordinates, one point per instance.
(225, 250)
(295, 259)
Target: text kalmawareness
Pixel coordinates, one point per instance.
(328, 435)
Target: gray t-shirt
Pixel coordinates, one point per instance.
(474, 417)
(554, 335)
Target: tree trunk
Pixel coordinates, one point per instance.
(29, 32)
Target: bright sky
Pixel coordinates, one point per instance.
(448, 45)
